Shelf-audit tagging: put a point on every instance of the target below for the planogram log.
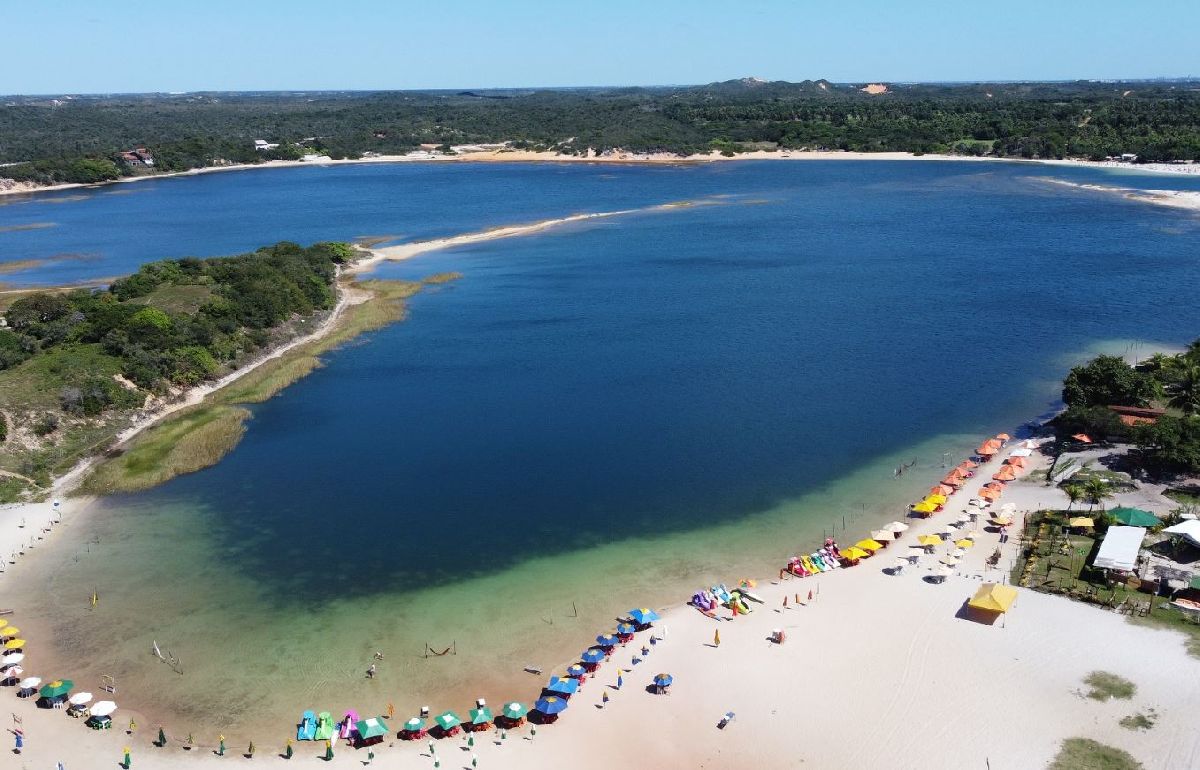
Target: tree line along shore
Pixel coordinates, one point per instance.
(84, 369)
(94, 139)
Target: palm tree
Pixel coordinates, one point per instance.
(1096, 491)
(1187, 390)
(1074, 494)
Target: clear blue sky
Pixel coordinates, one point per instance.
(54, 46)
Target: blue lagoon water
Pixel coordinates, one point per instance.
(599, 416)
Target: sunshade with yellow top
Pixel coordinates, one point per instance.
(854, 553)
(929, 540)
(3, 622)
(993, 597)
(1081, 521)
(924, 507)
(964, 543)
(869, 545)
(937, 499)
(14, 644)
(9, 632)
(1002, 521)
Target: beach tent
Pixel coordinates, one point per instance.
(1189, 528)
(1081, 521)
(1135, 517)
(993, 597)
(1120, 548)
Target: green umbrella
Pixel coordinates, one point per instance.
(374, 727)
(414, 725)
(57, 688)
(1135, 517)
(447, 720)
(481, 716)
(515, 710)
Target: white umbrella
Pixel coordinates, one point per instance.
(883, 535)
(958, 553)
(79, 698)
(29, 682)
(949, 560)
(972, 535)
(11, 660)
(1008, 508)
(103, 708)
(896, 526)
(945, 572)
(975, 501)
(1022, 452)
(12, 673)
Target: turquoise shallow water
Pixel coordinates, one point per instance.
(602, 416)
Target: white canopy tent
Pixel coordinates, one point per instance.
(1120, 548)
(1189, 528)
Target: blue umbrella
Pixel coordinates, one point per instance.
(643, 615)
(663, 680)
(550, 705)
(576, 670)
(626, 628)
(592, 656)
(607, 640)
(564, 685)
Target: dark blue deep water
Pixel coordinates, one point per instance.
(652, 373)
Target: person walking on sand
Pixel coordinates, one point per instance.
(371, 672)
(19, 740)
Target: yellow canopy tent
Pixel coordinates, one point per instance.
(929, 540)
(869, 545)
(993, 597)
(1081, 521)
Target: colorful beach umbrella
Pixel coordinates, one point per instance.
(1003, 437)
(576, 671)
(663, 680)
(1016, 462)
(937, 499)
(564, 685)
(1082, 438)
(1007, 473)
(968, 464)
(481, 715)
(56, 689)
(447, 720)
(550, 705)
(643, 615)
(9, 632)
(592, 656)
(608, 640)
(924, 507)
(515, 710)
(941, 489)
(624, 629)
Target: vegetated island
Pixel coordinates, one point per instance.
(85, 370)
(75, 139)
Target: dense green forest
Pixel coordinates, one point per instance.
(80, 138)
(1171, 443)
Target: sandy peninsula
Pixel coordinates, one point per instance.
(878, 670)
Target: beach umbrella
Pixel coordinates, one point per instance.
(968, 463)
(1007, 473)
(989, 494)
(883, 535)
(608, 640)
(937, 499)
(1082, 438)
(1003, 437)
(964, 543)
(564, 685)
(481, 715)
(11, 660)
(869, 545)
(924, 507)
(592, 656)
(1008, 508)
(447, 720)
(929, 540)
(972, 535)
(14, 644)
(375, 727)
(550, 705)
(897, 526)
(643, 615)
(1081, 521)
(576, 671)
(9, 632)
(958, 553)
(625, 629)
(986, 450)
(56, 689)
(3, 623)
(941, 489)
(515, 710)
(663, 680)
(414, 725)
(1002, 521)
(993, 597)
(1016, 462)
(945, 572)
(1135, 517)
(949, 560)
(105, 708)
(29, 683)
(854, 553)
(80, 698)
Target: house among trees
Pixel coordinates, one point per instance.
(263, 145)
(1137, 415)
(139, 156)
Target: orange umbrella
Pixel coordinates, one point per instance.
(957, 472)
(968, 464)
(1007, 473)
(941, 489)
(965, 469)
(996, 485)
(1003, 436)
(989, 494)
(1018, 462)
(953, 481)
(1082, 437)
(985, 450)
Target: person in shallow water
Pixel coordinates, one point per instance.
(371, 672)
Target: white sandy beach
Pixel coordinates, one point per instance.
(878, 671)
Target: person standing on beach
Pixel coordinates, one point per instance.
(371, 672)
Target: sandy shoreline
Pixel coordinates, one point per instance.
(1179, 199)
(531, 156)
(870, 648)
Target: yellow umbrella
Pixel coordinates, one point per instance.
(869, 545)
(993, 597)
(929, 540)
(1002, 520)
(14, 644)
(3, 622)
(964, 543)
(1078, 521)
(925, 507)
(8, 633)
(854, 552)
(937, 499)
